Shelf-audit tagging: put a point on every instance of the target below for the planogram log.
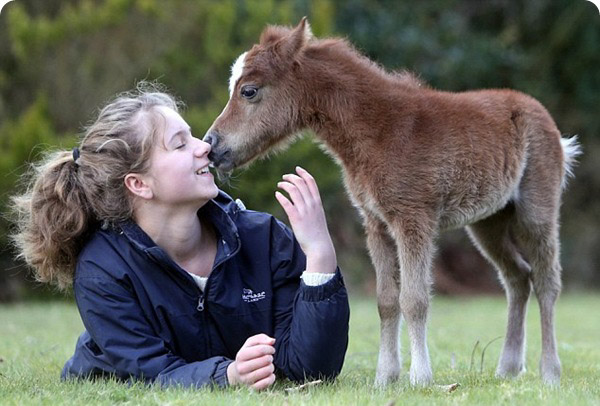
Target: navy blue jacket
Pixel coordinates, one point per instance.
(146, 318)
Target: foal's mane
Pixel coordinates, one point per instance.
(340, 51)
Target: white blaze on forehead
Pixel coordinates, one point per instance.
(236, 72)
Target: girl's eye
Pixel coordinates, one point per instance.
(180, 146)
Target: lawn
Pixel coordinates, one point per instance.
(37, 338)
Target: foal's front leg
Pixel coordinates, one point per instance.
(414, 238)
(382, 249)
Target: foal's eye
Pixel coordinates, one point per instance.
(249, 92)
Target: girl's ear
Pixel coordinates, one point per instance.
(139, 186)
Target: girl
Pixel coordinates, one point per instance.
(175, 282)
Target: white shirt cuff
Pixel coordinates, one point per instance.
(316, 278)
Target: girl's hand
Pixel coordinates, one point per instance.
(307, 218)
(253, 365)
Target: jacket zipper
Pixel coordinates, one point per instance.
(200, 306)
(203, 315)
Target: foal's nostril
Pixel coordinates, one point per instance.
(211, 138)
(208, 139)
(218, 155)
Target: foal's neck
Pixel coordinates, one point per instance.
(351, 101)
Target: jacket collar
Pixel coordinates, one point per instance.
(219, 212)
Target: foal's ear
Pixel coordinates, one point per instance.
(304, 28)
(300, 35)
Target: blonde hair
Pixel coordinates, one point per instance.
(68, 195)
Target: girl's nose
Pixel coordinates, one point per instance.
(202, 148)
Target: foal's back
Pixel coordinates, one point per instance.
(465, 154)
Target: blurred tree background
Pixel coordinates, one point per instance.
(62, 59)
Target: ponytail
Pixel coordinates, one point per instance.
(53, 218)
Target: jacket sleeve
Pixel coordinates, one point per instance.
(125, 343)
(311, 322)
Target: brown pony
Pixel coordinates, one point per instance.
(416, 161)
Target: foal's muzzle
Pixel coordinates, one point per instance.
(220, 157)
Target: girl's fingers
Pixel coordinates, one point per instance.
(256, 351)
(295, 194)
(264, 383)
(260, 374)
(288, 207)
(310, 182)
(249, 366)
(259, 339)
(300, 183)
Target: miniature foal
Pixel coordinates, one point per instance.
(416, 161)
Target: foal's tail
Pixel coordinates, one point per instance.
(571, 150)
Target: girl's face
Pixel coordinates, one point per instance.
(179, 173)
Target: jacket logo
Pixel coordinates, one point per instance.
(249, 296)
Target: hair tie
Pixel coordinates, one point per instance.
(76, 155)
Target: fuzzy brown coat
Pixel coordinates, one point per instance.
(415, 161)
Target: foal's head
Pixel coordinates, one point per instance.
(264, 99)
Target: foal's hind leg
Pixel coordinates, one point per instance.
(493, 238)
(383, 254)
(540, 241)
(537, 211)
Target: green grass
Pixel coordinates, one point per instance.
(37, 338)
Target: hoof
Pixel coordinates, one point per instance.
(421, 378)
(384, 379)
(510, 371)
(550, 372)
(388, 371)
